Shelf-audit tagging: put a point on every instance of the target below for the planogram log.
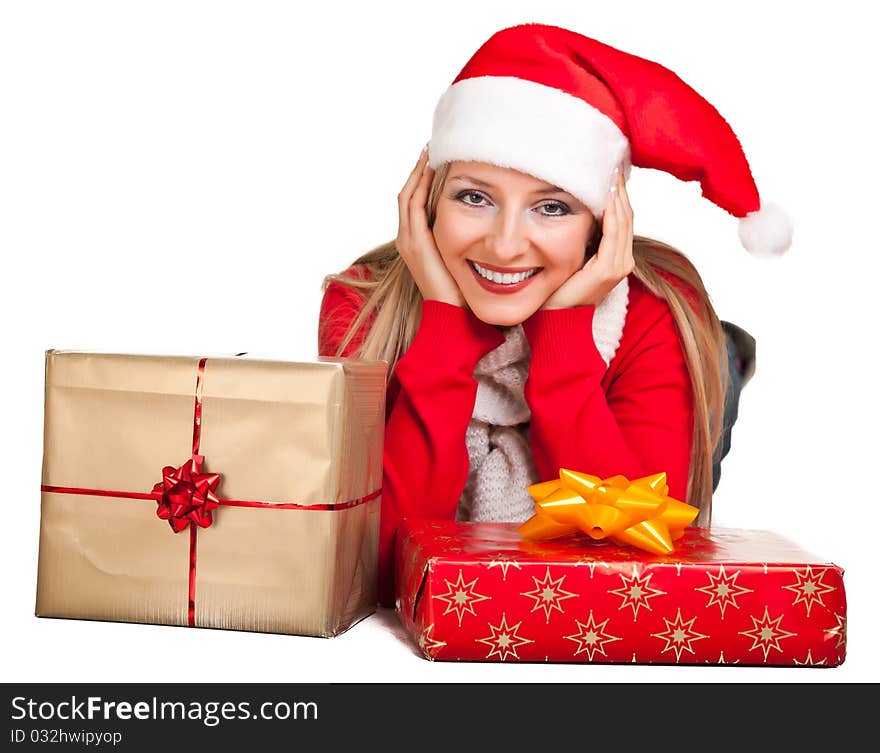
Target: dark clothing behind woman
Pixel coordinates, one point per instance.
(741, 366)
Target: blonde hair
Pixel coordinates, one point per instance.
(393, 298)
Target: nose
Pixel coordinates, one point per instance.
(508, 238)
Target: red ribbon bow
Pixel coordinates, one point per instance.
(187, 494)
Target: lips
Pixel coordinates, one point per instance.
(503, 270)
(496, 287)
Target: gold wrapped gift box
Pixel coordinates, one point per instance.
(292, 545)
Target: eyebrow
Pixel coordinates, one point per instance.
(552, 189)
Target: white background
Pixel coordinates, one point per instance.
(177, 177)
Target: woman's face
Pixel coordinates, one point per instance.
(507, 221)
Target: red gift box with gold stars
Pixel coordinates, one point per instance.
(481, 592)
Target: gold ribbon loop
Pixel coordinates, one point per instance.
(639, 513)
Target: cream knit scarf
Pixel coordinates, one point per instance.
(501, 462)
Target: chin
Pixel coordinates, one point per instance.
(501, 316)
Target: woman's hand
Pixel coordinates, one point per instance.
(415, 241)
(610, 264)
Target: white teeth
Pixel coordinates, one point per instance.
(504, 279)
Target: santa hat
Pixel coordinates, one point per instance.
(568, 109)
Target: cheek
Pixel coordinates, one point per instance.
(566, 258)
(563, 244)
(441, 230)
(451, 235)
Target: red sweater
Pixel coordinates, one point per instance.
(634, 417)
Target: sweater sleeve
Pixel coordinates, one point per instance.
(425, 460)
(639, 422)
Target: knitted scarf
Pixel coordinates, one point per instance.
(501, 462)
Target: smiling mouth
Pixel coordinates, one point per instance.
(502, 278)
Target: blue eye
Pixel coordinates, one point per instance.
(562, 209)
(461, 196)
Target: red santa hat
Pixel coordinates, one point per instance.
(568, 109)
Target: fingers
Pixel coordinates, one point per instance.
(622, 194)
(625, 215)
(416, 172)
(419, 198)
(612, 218)
(406, 193)
(615, 251)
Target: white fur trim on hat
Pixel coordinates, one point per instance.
(766, 232)
(536, 129)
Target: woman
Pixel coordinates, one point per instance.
(525, 326)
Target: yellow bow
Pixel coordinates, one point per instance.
(639, 513)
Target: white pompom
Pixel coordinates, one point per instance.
(766, 232)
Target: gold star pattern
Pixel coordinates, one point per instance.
(766, 633)
(809, 588)
(809, 661)
(504, 561)
(461, 597)
(723, 590)
(591, 562)
(427, 643)
(679, 635)
(721, 660)
(636, 591)
(503, 639)
(591, 637)
(838, 631)
(548, 593)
